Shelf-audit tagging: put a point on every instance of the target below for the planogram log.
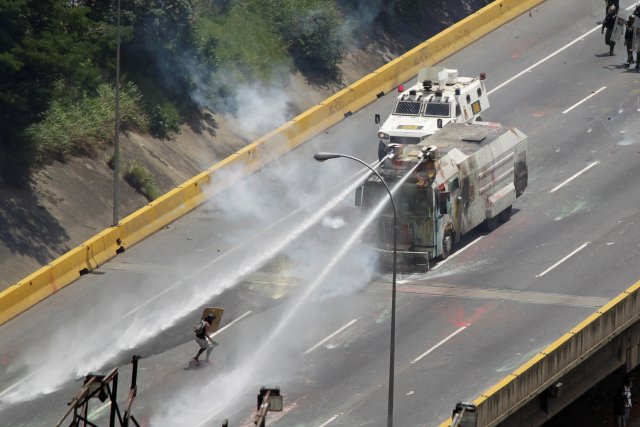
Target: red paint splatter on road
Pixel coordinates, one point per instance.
(458, 317)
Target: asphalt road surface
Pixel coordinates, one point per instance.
(322, 335)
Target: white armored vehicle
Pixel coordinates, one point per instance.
(438, 98)
(465, 175)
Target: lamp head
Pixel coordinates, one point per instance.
(321, 157)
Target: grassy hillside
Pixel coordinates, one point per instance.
(183, 109)
(179, 57)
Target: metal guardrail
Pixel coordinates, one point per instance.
(547, 367)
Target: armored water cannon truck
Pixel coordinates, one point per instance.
(439, 97)
(463, 176)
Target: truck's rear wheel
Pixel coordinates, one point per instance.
(491, 224)
(505, 215)
(521, 178)
(447, 246)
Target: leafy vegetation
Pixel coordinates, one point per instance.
(164, 121)
(57, 63)
(311, 31)
(80, 126)
(141, 179)
(41, 42)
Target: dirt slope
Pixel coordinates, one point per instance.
(67, 203)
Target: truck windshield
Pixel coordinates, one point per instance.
(410, 200)
(407, 108)
(437, 109)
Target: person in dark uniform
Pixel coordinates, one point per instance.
(636, 13)
(626, 391)
(608, 24)
(619, 407)
(610, 3)
(628, 39)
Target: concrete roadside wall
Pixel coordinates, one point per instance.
(177, 202)
(564, 355)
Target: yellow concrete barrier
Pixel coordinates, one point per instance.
(177, 202)
(538, 373)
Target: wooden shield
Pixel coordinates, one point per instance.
(217, 312)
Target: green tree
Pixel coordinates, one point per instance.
(158, 54)
(41, 42)
(161, 43)
(312, 31)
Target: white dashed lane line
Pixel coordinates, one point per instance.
(331, 336)
(559, 186)
(460, 329)
(584, 245)
(230, 323)
(591, 95)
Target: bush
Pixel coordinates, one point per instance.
(311, 30)
(79, 126)
(164, 121)
(162, 108)
(141, 179)
(243, 41)
(42, 42)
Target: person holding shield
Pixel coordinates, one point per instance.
(205, 342)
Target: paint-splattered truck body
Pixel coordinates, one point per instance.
(467, 175)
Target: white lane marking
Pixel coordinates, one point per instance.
(230, 323)
(329, 421)
(460, 329)
(549, 56)
(95, 412)
(584, 245)
(330, 336)
(559, 186)
(11, 387)
(456, 253)
(546, 58)
(584, 99)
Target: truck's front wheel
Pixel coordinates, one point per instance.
(447, 246)
(382, 150)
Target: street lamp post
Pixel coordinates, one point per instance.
(116, 140)
(321, 157)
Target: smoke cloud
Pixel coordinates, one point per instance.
(290, 224)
